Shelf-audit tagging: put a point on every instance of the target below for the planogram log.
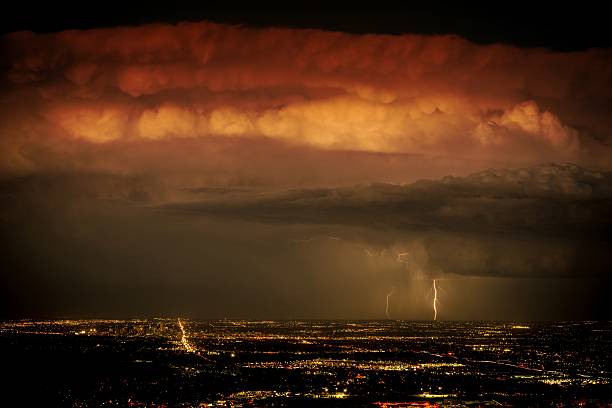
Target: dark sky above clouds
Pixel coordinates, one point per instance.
(561, 26)
(300, 164)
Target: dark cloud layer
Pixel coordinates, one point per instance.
(550, 199)
(548, 220)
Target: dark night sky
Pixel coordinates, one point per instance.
(556, 25)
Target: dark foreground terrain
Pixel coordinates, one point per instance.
(172, 362)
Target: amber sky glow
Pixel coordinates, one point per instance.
(173, 138)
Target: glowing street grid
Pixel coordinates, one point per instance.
(180, 362)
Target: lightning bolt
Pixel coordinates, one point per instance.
(400, 256)
(387, 307)
(435, 300)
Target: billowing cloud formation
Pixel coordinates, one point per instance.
(435, 96)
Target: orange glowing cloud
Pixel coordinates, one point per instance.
(410, 94)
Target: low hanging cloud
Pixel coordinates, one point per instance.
(107, 90)
(548, 198)
(548, 220)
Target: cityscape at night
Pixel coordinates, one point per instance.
(180, 362)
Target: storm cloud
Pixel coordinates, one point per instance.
(547, 220)
(225, 170)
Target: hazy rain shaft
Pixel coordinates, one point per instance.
(208, 165)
